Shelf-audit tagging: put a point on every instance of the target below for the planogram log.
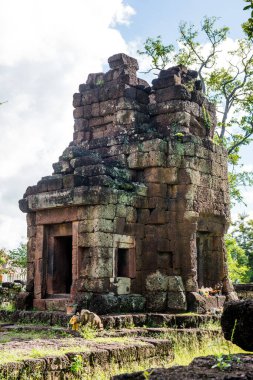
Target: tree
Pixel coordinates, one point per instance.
(238, 264)
(248, 25)
(18, 256)
(230, 86)
(191, 51)
(3, 261)
(160, 54)
(242, 232)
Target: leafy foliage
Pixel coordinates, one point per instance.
(238, 263)
(242, 232)
(18, 256)
(3, 261)
(160, 54)
(192, 51)
(248, 25)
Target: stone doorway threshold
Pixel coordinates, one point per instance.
(53, 302)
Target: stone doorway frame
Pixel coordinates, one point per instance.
(42, 252)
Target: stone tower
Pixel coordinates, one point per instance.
(134, 215)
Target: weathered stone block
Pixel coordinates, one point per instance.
(156, 301)
(104, 304)
(158, 216)
(130, 117)
(140, 160)
(157, 190)
(78, 113)
(96, 239)
(143, 216)
(77, 100)
(136, 229)
(119, 225)
(166, 82)
(50, 200)
(90, 96)
(175, 284)
(95, 266)
(83, 299)
(174, 119)
(95, 285)
(100, 211)
(157, 282)
(107, 108)
(123, 241)
(120, 285)
(161, 175)
(173, 92)
(132, 303)
(177, 301)
(119, 60)
(73, 180)
(96, 225)
(62, 167)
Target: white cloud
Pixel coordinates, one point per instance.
(47, 49)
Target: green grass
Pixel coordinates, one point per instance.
(20, 355)
(12, 335)
(187, 347)
(115, 369)
(211, 325)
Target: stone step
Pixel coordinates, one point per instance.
(117, 321)
(56, 304)
(58, 296)
(51, 304)
(98, 357)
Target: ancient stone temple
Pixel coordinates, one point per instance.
(134, 214)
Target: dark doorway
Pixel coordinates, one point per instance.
(125, 263)
(62, 264)
(204, 259)
(122, 263)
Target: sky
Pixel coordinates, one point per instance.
(47, 48)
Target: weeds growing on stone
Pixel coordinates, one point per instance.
(77, 365)
(187, 347)
(224, 361)
(87, 332)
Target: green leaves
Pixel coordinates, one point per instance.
(249, 6)
(18, 256)
(160, 54)
(238, 263)
(242, 233)
(248, 25)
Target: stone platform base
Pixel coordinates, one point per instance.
(112, 321)
(92, 357)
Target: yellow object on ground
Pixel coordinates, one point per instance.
(74, 322)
